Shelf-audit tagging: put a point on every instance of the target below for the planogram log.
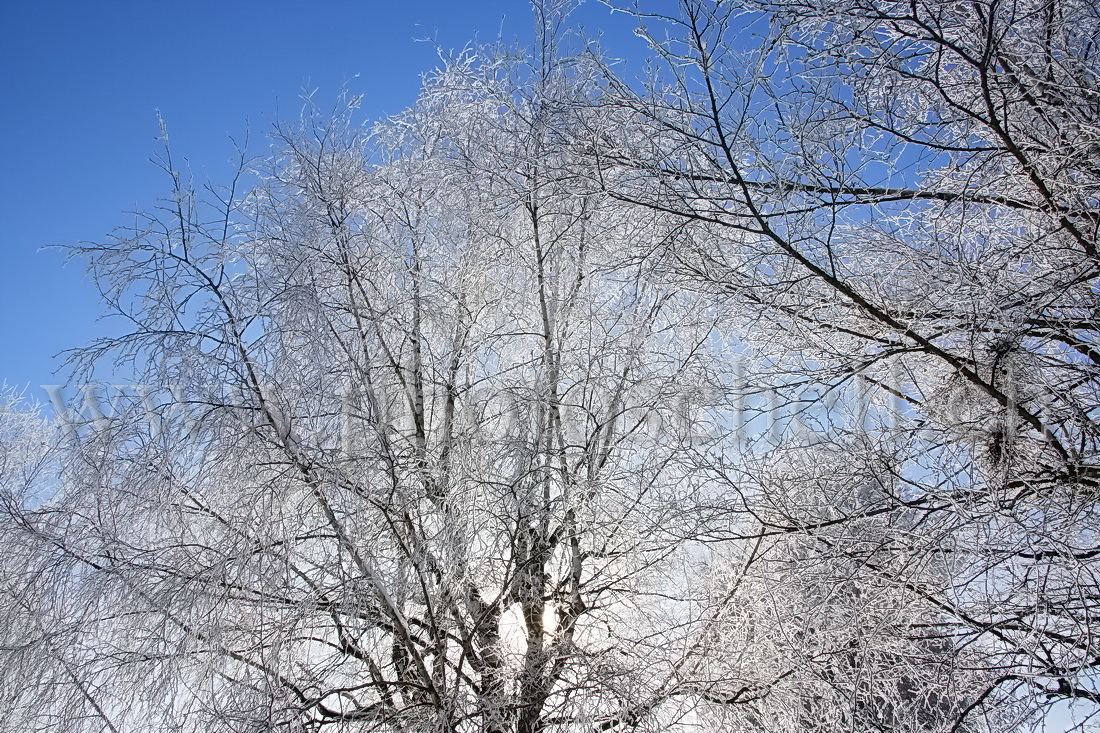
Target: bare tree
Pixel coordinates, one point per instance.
(421, 475)
(904, 195)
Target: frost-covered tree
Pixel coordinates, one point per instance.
(418, 472)
(904, 196)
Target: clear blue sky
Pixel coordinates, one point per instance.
(81, 83)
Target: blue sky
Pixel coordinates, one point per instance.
(81, 84)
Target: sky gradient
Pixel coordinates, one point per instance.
(82, 84)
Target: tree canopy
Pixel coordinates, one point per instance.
(757, 393)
